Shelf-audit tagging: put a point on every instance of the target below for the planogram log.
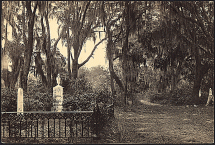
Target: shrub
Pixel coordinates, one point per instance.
(8, 100)
(78, 86)
(37, 98)
(79, 102)
(38, 102)
(103, 96)
(176, 97)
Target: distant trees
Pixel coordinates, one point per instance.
(178, 36)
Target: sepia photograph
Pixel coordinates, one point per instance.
(107, 72)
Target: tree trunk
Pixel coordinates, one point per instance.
(75, 59)
(200, 71)
(68, 53)
(125, 50)
(29, 47)
(54, 76)
(111, 78)
(27, 55)
(198, 76)
(74, 68)
(110, 59)
(38, 65)
(48, 55)
(173, 84)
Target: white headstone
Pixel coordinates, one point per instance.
(210, 92)
(58, 97)
(200, 93)
(20, 101)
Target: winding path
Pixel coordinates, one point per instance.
(154, 123)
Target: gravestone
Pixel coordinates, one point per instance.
(210, 92)
(58, 96)
(200, 93)
(20, 101)
(210, 97)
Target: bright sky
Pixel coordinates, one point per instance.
(99, 54)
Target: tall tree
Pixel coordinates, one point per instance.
(81, 18)
(30, 17)
(109, 20)
(118, 29)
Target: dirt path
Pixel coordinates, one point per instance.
(155, 123)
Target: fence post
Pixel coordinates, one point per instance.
(96, 121)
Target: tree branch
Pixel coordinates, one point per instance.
(23, 24)
(14, 25)
(84, 15)
(71, 55)
(56, 42)
(116, 78)
(80, 65)
(117, 57)
(84, 36)
(35, 8)
(179, 13)
(113, 21)
(117, 36)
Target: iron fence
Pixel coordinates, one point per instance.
(66, 124)
(47, 124)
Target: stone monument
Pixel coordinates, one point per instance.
(210, 92)
(20, 101)
(57, 96)
(210, 97)
(200, 93)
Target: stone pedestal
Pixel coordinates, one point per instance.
(57, 98)
(20, 101)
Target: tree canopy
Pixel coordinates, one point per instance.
(178, 37)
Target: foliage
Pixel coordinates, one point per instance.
(85, 91)
(99, 78)
(37, 98)
(78, 94)
(79, 102)
(180, 96)
(79, 86)
(8, 100)
(38, 102)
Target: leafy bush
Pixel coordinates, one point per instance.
(32, 101)
(103, 96)
(81, 102)
(38, 102)
(37, 98)
(177, 97)
(8, 100)
(78, 86)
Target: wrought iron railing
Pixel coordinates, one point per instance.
(47, 124)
